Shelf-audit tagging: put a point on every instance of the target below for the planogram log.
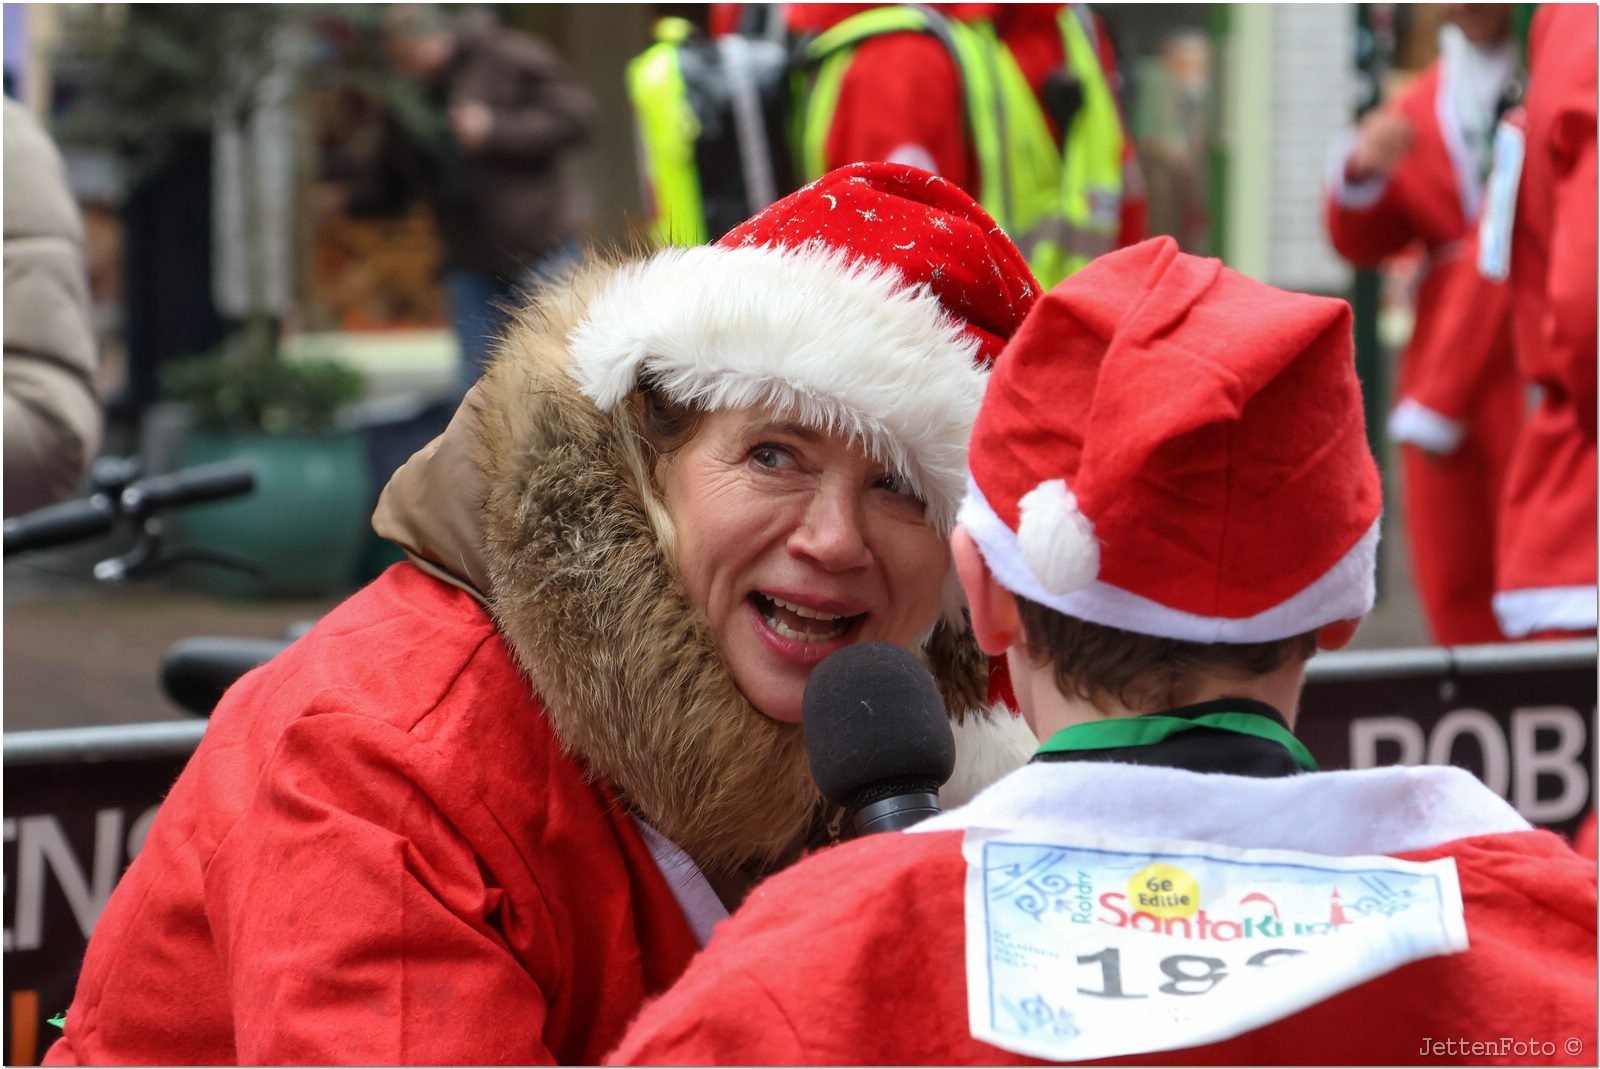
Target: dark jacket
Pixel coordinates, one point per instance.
(502, 208)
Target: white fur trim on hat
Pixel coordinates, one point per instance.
(1056, 539)
(840, 344)
(1345, 592)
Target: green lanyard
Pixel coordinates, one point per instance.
(1149, 730)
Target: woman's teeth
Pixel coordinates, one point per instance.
(802, 611)
(818, 627)
(805, 636)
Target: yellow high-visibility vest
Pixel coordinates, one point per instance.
(666, 129)
(1061, 206)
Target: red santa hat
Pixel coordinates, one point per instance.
(1171, 448)
(871, 302)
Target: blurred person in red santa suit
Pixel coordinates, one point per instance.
(1169, 879)
(1539, 232)
(1413, 173)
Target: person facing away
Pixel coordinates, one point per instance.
(52, 413)
(500, 796)
(1413, 173)
(1171, 505)
(492, 172)
(1015, 103)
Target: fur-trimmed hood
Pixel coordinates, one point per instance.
(532, 501)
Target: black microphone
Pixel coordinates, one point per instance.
(878, 737)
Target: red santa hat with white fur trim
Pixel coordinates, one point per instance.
(871, 302)
(1171, 448)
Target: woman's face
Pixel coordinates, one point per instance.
(795, 544)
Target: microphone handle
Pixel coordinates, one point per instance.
(894, 813)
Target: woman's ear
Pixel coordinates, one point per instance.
(995, 621)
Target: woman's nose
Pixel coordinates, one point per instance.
(832, 532)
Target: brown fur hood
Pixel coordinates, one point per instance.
(540, 505)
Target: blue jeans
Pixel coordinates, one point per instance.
(480, 303)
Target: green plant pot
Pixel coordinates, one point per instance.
(304, 526)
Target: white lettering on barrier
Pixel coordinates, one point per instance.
(1492, 747)
(1511, 766)
(1560, 762)
(42, 850)
(1367, 732)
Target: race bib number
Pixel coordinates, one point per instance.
(1094, 948)
(1500, 201)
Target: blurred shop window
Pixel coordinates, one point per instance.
(360, 274)
(363, 274)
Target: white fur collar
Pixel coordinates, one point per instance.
(1371, 811)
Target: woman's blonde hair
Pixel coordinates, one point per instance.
(651, 427)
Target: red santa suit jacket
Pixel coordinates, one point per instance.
(1459, 398)
(1432, 198)
(527, 916)
(857, 955)
(1547, 574)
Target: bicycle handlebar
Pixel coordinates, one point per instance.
(55, 525)
(193, 486)
(75, 521)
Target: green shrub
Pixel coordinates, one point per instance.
(248, 387)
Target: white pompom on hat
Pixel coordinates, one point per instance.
(871, 302)
(1171, 448)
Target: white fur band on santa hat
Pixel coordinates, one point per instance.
(1344, 592)
(838, 343)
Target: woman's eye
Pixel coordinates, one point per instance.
(896, 483)
(772, 457)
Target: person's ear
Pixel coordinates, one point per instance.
(995, 622)
(1337, 635)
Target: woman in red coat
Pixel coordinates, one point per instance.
(498, 798)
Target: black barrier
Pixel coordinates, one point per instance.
(1520, 717)
(78, 802)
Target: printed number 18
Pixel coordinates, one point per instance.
(1177, 969)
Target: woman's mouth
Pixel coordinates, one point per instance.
(800, 623)
(801, 632)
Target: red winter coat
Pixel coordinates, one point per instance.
(857, 956)
(377, 856)
(1547, 540)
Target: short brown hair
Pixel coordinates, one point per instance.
(1139, 672)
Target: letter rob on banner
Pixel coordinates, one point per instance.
(1518, 716)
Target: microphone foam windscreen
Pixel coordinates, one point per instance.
(873, 715)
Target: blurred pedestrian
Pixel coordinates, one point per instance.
(492, 172)
(1539, 231)
(1413, 174)
(52, 408)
